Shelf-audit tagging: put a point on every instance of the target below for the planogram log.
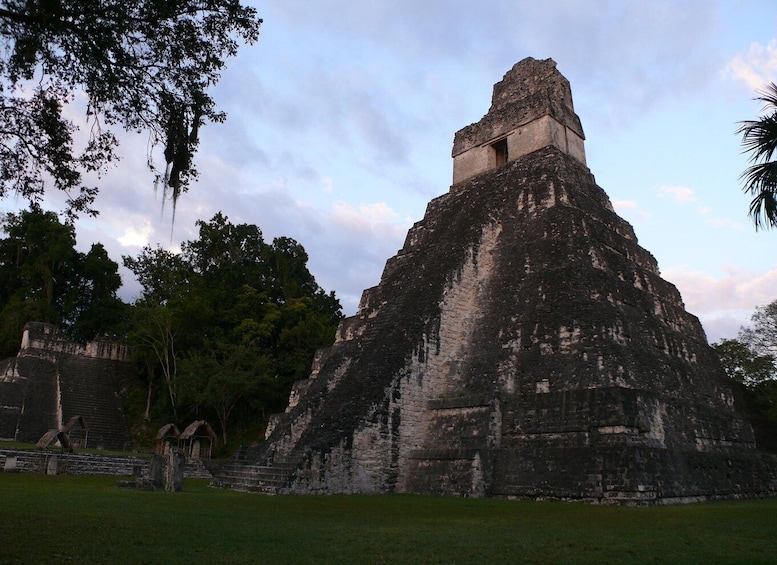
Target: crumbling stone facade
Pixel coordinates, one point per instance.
(521, 343)
(531, 108)
(52, 379)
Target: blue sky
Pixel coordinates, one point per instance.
(341, 121)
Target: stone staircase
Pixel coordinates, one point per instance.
(454, 457)
(90, 388)
(239, 474)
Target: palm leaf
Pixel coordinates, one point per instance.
(763, 210)
(768, 96)
(759, 139)
(761, 177)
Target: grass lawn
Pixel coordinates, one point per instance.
(85, 520)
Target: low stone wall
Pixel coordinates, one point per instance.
(56, 462)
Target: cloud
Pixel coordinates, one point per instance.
(677, 194)
(134, 237)
(721, 327)
(629, 208)
(683, 195)
(361, 240)
(364, 218)
(624, 204)
(724, 302)
(348, 245)
(756, 68)
(724, 223)
(635, 54)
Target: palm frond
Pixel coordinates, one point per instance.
(759, 137)
(763, 210)
(760, 178)
(768, 95)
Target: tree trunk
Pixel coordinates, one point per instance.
(147, 413)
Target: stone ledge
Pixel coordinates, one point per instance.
(37, 461)
(470, 401)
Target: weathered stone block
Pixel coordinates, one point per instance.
(174, 470)
(157, 470)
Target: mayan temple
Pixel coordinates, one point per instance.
(521, 343)
(53, 380)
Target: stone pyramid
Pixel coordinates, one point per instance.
(521, 343)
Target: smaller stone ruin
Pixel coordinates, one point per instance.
(164, 472)
(53, 380)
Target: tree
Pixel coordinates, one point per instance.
(243, 320)
(143, 65)
(97, 311)
(153, 336)
(759, 138)
(742, 364)
(761, 337)
(751, 359)
(37, 262)
(164, 277)
(221, 376)
(43, 278)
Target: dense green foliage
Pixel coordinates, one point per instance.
(143, 65)
(742, 364)
(225, 327)
(759, 138)
(44, 279)
(751, 360)
(205, 525)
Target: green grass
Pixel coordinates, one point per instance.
(54, 519)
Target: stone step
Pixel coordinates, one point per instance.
(95, 397)
(464, 401)
(252, 477)
(443, 453)
(256, 475)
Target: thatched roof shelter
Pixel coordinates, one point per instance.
(168, 430)
(198, 440)
(52, 436)
(76, 420)
(77, 438)
(168, 436)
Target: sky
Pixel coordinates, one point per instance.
(341, 121)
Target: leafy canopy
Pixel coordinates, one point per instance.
(143, 65)
(751, 359)
(742, 364)
(43, 278)
(225, 327)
